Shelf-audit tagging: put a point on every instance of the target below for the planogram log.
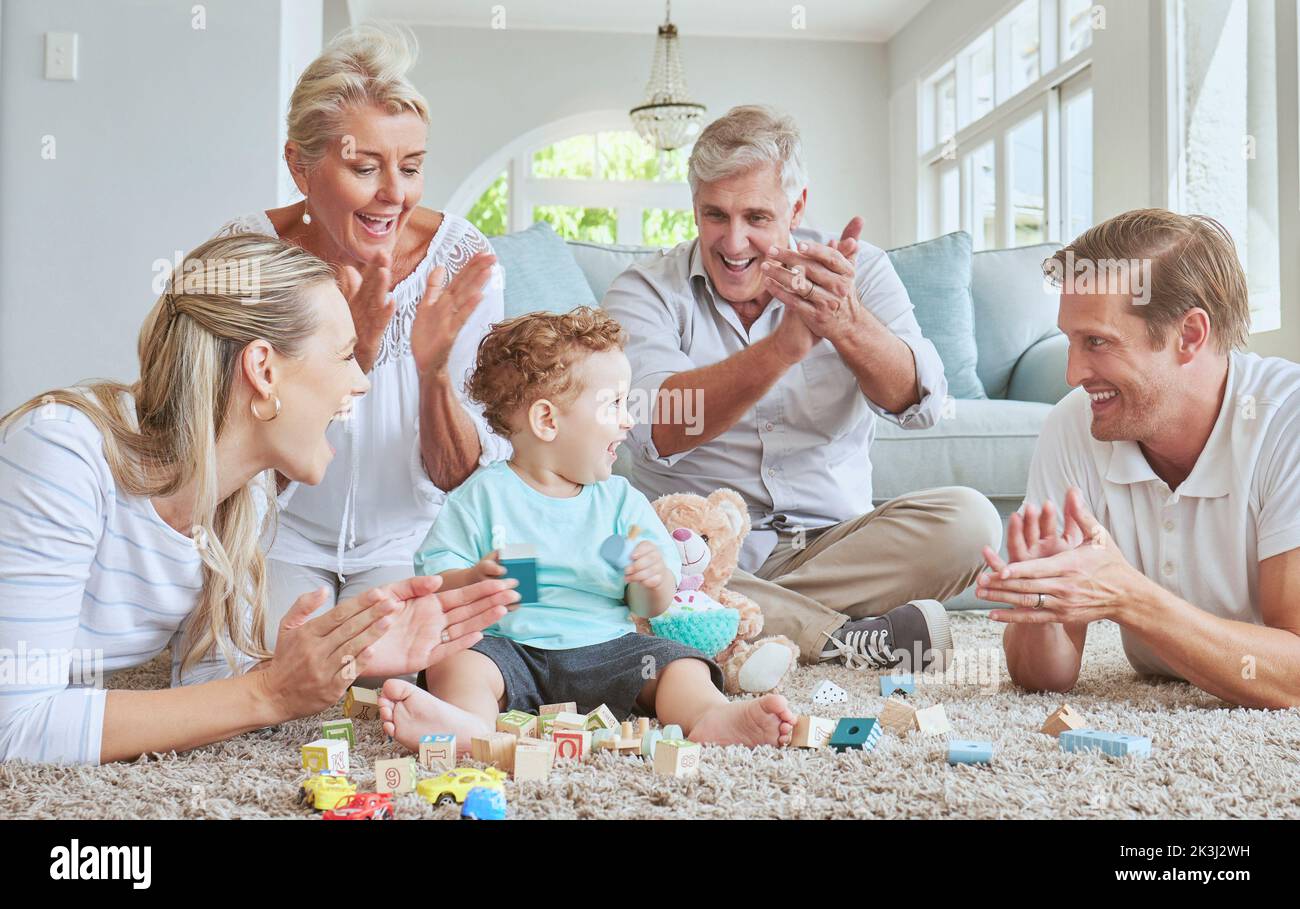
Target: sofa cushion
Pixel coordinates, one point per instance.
(540, 272)
(601, 263)
(984, 444)
(1013, 307)
(937, 276)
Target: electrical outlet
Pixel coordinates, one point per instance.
(61, 55)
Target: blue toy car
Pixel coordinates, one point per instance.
(484, 804)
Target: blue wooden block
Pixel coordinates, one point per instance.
(520, 563)
(891, 683)
(962, 751)
(1116, 744)
(855, 732)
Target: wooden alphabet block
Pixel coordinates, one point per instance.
(1062, 719)
(438, 752)
(517, 723)
(601, 718)
(898, 716)
(395, 775)
(547, 713)
(495, 748)
(361, 704)
(812, 732)
(675, 757)
(565, 707)
(571, 744)
(325, 754)
(932, 721)
(533, 759)
(339, 729)
(569, 720)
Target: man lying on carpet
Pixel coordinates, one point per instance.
(1178, 463)
(556, 386)
(768, 350)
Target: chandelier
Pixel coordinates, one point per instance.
(668, 119)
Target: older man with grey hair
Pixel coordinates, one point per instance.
(767, 350)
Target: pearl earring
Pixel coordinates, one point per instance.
(306, 216)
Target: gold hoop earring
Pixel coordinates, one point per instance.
(252, 405)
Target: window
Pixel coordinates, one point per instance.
(981, 174)
(1017, 167)
(1223, 102)
(1076, 157)
(1028, 210)
(1018, 40)
(590, 178)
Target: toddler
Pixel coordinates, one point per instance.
(556, 386)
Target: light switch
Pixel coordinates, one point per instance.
(61, 55)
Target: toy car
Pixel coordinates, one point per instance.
(484, 804)
(326, 790)
(364, 806)
(454, 785)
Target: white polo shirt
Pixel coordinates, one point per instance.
(1203, 541)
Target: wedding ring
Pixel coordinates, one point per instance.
(1039, 604)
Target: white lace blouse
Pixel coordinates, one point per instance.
(376, 502)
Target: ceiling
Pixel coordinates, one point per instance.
(827, 20)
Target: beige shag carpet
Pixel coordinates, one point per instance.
(1208, 760)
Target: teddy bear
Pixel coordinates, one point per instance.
(708, 533)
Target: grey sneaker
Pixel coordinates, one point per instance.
(913, 637)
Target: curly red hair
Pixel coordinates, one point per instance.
(533, 356)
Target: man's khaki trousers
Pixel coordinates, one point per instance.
(919, 546)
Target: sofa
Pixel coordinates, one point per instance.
(988, 313)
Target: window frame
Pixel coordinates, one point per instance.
(629, 198)
(936, 159)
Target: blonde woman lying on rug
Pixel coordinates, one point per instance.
(556, 386)
(1178, 464)
(131, 518)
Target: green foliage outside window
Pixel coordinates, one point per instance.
(667, 226)
(489, 212)
(572, 222)
(616, 156)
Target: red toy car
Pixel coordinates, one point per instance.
(364, 806)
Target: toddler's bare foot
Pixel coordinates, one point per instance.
(761, 721)
(408, 712)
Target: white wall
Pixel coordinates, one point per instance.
(488, 87)
(167, 132)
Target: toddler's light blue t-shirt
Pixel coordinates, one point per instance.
(581, 595)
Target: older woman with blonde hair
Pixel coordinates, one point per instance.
(132, 513)
(422, 292)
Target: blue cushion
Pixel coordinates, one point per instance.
(603, 262)
(937, 276)
(540, 272)
(1014, 309)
